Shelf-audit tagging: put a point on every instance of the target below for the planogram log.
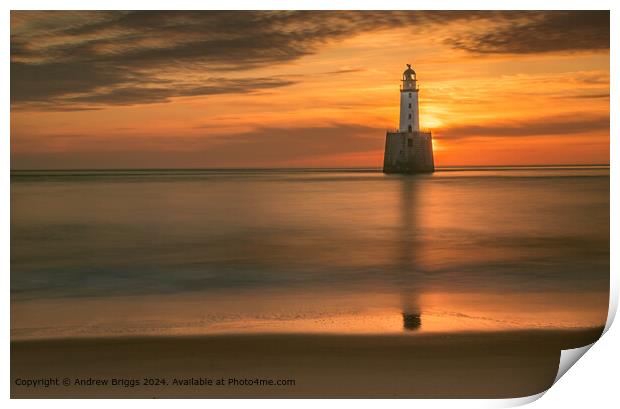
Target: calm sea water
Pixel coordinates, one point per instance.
(202, 251)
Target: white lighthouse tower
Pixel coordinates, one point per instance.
(408, 150)
(409, 114)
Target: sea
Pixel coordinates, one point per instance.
(347, 251)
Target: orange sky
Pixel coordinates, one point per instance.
(182, 90)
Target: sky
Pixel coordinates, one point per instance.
(251, 89)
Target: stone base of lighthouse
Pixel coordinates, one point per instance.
(408, 152)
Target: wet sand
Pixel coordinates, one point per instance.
(457, 365)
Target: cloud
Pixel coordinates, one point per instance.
(135, 94)
(45, 82)
(542, 32)
(599, 95)
(82, 60)
(273, 144)
(263, 146)
(547, 126)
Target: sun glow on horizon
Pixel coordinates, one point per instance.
(331, 104)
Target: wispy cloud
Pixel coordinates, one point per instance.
(541, 32)
(156, 92)
(262, 146)
(545, 126)
(86, 60)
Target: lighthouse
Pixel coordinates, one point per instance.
(409, 149)
(409, 113)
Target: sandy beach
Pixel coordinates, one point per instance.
(457, 365)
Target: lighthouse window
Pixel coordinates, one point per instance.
(410, 95)
(409, 105)
(409, 116)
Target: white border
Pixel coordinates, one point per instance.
(591, 383)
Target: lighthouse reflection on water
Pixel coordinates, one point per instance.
(412, 321)
(411, 312)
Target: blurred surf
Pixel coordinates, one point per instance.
(448, 246)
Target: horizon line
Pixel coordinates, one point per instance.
(311, 168)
